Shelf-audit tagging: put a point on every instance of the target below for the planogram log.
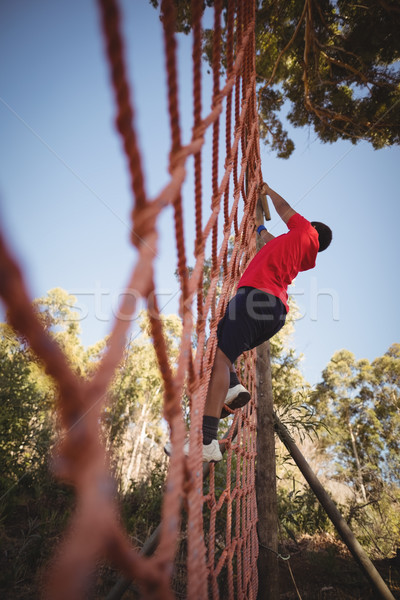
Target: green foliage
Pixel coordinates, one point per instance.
(183, 13)
(30, 528)
(24, 421)
(339, 73)
(34, 509)
(141, 504)
(28, 395)
(359, 403)
(133, 416)
(300, 418)
(59, 317)
(386, 394)
(299, 512)
(377, 524)
(291, 391)
(332, 64)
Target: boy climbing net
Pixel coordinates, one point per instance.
(257, 311)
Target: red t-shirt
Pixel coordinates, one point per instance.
(275, 266)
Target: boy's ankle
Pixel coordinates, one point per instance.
(233, 379)
(210, 429)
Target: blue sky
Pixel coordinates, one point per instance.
(65, 197)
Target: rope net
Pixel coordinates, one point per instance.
(217, 559)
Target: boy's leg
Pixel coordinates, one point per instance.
(232, 341)
(216, 394)
(217, 390)
(219, 384)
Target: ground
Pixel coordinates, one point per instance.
(321, 568)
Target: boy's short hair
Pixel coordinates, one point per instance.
(324, 234)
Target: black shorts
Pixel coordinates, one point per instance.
(251, 318)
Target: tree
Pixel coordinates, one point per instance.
(344, 400)
(332, 64)
(133, 416)
(386, 393)
(23, 423)
(27, 393)
(359, 401)
(59, 317)
(286, 375)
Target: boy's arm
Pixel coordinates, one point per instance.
(283, 208)
(265, 235)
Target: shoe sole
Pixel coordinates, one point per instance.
(241, 400)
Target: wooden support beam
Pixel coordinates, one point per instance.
(267, 505)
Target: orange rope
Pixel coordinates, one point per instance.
(217, 558)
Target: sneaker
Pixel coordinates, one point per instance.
(211, 452)
(236, 397)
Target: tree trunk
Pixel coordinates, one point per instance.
(135, 447)
(139, 452)
(357, 459)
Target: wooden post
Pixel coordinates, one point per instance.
(327, 503)
(267, 505)
(267, 508)
(264, 204)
